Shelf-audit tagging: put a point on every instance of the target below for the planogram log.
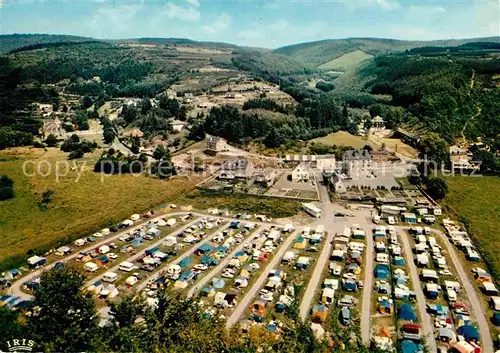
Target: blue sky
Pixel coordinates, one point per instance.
(270, 23)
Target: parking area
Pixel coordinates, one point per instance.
(284, 187)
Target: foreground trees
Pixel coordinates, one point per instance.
(66, 320)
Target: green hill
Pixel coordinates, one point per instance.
(321, 52)
(10, 42)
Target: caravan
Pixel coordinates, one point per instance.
(126, 266)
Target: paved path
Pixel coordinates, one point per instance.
(367, 289)
(475, 303)
(316, 277)
(15, 289)
(427, 324)
(184, 255)
(245, 302)
(198, 286)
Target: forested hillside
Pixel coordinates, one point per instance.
(320, 52)
(9, 42)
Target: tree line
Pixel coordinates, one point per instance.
(64, 318)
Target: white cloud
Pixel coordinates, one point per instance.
(384, 4)
(219, 26)
(418, 12)
(176, 12)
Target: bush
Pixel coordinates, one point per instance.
(51, 140)
(38, 144)
(6, 188)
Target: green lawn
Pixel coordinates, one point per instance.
(82, 206)
(343, 138)
(476, 201)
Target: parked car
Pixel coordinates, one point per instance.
(148, 268)
(112, 256)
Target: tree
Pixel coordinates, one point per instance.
(433, 148)
(274, 139)
(159, 152)
(66, 320)
(6, 188)
(51, 140)
(489, 163)
(437, 188)
(9, 322)
(86, 102)
(76, 154)
(376, 109)
(197, 131)
(109, 135)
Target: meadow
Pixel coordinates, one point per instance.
(82, 202)
(475, 201)
(343, 138)
(347, 61)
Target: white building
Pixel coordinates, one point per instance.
(357, 164)
(301, 172)
(326, 162)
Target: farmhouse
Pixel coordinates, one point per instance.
(216, 144)
(52, 127)
(265, 176)
(301, 172)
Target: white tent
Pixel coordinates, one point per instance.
(161, 223)
(131, 280)
(171, 222)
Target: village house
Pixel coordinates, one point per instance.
(301, 172)
(44, 109)
(52, 127)
(216, 144)
(265, 176)
(378, 123)
(326, 162)
(237, 168)
(177, 125)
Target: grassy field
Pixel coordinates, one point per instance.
(78, 206)
(347, 61)
(82, 205)
(345, 139)
(475, 201)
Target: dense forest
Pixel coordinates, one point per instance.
(65, 320)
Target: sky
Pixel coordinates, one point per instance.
(257, 23)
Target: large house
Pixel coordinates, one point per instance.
(216, 144)
(378, 123)
(301, 172)
(326, 162)
(356, 164)
(237, 168)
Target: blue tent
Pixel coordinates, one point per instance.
(185, 261)
(136, 242)
(350, 286)
(279, 307)
(495, 319)
(398, 261)
(470, 333)
(272, 328)
(235, 224)
(408, 346)
(222, 249)
(209, 261)
(205, 249)
(407, 313)
(239, 253)
(218, 283)
(381, 272)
